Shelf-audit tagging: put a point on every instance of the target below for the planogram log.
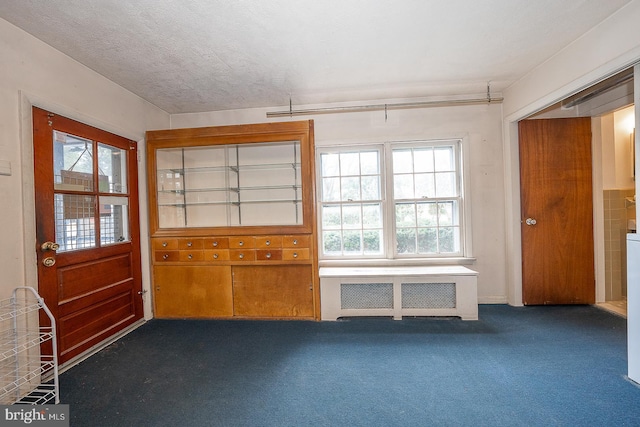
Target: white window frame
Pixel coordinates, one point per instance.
(388, 201)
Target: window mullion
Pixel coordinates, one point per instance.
(388, 204)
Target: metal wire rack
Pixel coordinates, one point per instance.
(28, 352)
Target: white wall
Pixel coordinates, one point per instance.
(33, 73)
(479, 126)
(611, 46)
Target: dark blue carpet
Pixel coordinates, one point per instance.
(516, 366)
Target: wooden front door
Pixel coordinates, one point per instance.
(87, 228)
(557, 211)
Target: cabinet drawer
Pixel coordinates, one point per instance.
(216, 255)
(264, 242)
(190, 256)
(216, 243)
(168, 244)
(166, 256)
(269, 254)
(242, 242)
(242, 255)
(190, 243)
(301, 241)
(295, 254)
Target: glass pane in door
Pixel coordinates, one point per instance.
(112, 169)
(75, 223)
(72, 162)
(114, 220)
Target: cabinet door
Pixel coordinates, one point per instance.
(192, 291)
(273, 291)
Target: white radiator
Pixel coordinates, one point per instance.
(398, 292)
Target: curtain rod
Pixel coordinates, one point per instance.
(385, 107)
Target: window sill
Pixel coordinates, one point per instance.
(404, 262)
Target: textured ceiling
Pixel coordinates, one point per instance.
(206, 55)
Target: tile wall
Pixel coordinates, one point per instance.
(619, 208)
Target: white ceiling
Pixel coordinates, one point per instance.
(205, 55)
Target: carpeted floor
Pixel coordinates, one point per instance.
(526, 366)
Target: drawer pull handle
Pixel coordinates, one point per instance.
(269, 255)
(240, 243)
(189, 244)
(295, 254)
(164, 244)
(190, 256)
(241, 256)
(215, 244)
(165, 256)
(295, 241)
(215, 256)
(268, 242)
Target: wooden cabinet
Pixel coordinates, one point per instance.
(232, 221)
(192, 291)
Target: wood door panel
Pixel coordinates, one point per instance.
(92, 299)
(193, 291)
(273, 291)
(556, 191)
(83, 329)
(85, 278)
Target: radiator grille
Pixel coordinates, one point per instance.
(428, 295)
(366, 295)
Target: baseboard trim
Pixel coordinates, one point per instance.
(492, 300)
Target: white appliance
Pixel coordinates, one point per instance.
(633, 305)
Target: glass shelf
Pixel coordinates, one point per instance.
(229, 185)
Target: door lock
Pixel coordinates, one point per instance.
(49, 261)
(530, 221)
(50, 246)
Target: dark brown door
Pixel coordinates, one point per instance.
(557, 211)
(87, 230)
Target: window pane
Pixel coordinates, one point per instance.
(369, 163)
(372, 216)
(445, 213)
(114, 219)
(351, 216)
(352, 242)
(427, 214)
(405, 215)
(446, 238)
(112, 169)
(330, 189)
(331, 217)
(349, 164)
(406, 240)
(330, 164)
(72, 162)
(446, 184)
(403, 186)
(444, 158)
(370, 188)
(423, 160)
(332, 242)
(427, 240)
(372, 240)
(350, 189)
(75, 221)
(402, 161)
(425, 187)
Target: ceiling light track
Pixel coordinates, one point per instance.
(386, 107)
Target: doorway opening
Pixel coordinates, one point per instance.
(610, 104)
